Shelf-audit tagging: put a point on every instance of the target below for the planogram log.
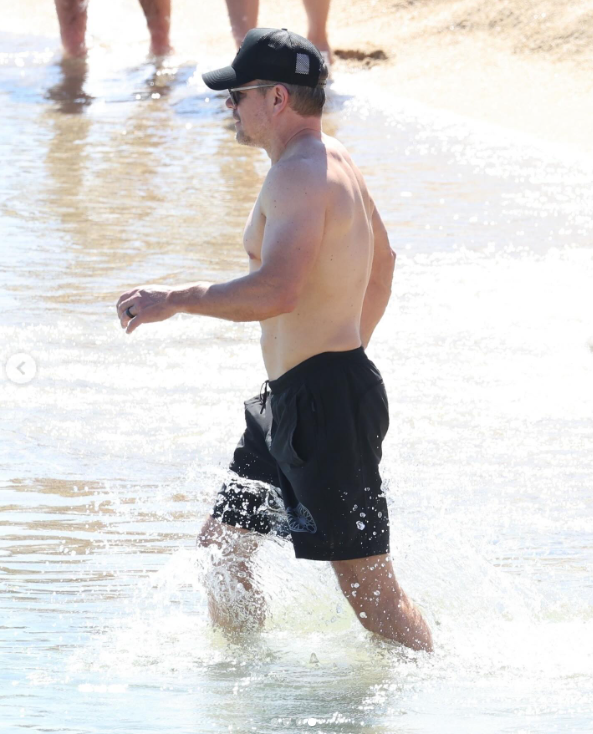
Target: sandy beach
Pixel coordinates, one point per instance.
(524, 64)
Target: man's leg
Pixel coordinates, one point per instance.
(72, 18)
(317, 13)
(380, 603)
(243, 17)
(158, 20)
(235, 602)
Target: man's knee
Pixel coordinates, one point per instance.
(211, 533)
(228, 538)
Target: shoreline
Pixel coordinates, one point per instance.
(473, 60)
(525, 65)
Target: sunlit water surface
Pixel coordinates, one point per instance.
(117, 175)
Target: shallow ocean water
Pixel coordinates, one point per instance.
(110, 457)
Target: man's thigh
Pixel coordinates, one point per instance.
(250, 498)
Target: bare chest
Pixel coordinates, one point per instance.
(253, 234)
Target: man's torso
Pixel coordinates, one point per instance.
(327, 315)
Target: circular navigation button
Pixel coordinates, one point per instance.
(21, 368)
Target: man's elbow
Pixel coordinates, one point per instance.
(388, 265)
(282, 302)
(288, 301)
(382, 273)
(384, 255)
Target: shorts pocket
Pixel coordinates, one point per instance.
(373, 419)
(294, 436)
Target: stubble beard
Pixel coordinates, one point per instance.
(243, 139)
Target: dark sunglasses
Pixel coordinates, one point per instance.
(235, 92)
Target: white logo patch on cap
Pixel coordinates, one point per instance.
(303, 63)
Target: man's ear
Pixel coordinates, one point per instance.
(280, 98)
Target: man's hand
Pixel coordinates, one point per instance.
(146, 304)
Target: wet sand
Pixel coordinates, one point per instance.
(525, 65)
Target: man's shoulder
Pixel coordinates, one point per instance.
(296, 176)
(305, 161)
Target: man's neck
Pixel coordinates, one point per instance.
(286, 139)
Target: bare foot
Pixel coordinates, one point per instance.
(161, 49)
(326, 52)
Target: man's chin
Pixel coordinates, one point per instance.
(244, 139)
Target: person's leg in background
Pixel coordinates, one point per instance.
(72, 17)
(317, 13)
(158, 20)
(243, 17)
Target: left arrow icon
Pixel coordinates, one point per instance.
(21, 368)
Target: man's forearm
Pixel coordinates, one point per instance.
(251, 298)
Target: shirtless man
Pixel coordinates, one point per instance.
(320, 271)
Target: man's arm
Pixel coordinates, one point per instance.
(379, 288)
(293, 203)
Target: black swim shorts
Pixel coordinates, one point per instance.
(307, 465)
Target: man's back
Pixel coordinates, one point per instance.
(315, 185)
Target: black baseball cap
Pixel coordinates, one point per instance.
(273, 54)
